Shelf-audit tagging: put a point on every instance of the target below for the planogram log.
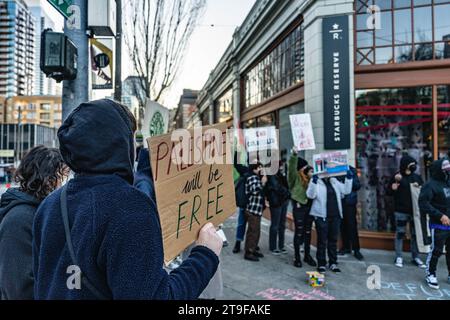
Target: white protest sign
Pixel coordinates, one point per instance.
(261, 139)
(302, 131)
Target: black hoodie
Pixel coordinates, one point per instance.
(16, 267)
(402, 196)
(115, 228)
(434, 197)
(90, 146)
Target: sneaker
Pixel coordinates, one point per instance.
(283, 251)
(237, 247)
(432, 281)
(343, 252)
(275, 252)
(322, 270)
(399, 262)
(251, 257)
(419, 263)
(310, 261)
(334, 268)
(358, 255)
(258, 254)
(298, 263)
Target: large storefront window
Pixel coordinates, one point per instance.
(224, 107)
(282, 68)
(390, 123)
(410, 30)
(443, 98)
(286, 140)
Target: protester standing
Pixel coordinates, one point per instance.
(299, 176)
(349, 227)
(254, 189)
(241, 202)
(278, 195)
(327, 195)
(434, 201)
(41, 171)
(400, 188)
(104, 226)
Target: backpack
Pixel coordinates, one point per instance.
(241, 196)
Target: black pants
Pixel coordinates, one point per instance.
(303, 226)
(349, 229)
(253, 232)
(277, 226)
(441, 239)
(327, 238)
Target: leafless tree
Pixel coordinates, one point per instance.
(157, 35)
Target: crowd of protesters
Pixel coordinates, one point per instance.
(91, 228)
(330, 204)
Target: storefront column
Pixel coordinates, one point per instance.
(314, 101)
(435, 123)
(236, 97)
(211, 109)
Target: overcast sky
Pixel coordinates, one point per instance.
(207, 45)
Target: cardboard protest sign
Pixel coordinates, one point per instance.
(331, 164)
(191, 190)
(261, 139)
(302, 131)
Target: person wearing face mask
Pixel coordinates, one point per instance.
(299, 176)
(254, 189)
(434, 201)
(400, 188)
(327, 194)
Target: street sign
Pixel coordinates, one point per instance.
(62, 6)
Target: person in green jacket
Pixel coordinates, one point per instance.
(299, 175)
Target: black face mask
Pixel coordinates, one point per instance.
(413, 168)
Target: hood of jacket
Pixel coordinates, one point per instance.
(405, 161)
(14, 197)
(436, 171)
(97, 139)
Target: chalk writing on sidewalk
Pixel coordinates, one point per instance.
(415, 291)
(293, 294)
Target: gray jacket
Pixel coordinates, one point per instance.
(318, 193)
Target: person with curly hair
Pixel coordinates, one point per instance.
(41, 171)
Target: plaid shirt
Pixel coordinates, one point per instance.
(254, 191)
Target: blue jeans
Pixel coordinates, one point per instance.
(401, 221)
(277, 226)
(240, 229)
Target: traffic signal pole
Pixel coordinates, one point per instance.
(118, 67)
(76, 91)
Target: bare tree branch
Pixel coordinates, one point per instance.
(157, 37)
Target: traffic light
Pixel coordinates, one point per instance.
(58, 56)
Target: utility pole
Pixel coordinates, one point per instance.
(76, 91)
(118, 67)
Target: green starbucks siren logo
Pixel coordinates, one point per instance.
(157, 124)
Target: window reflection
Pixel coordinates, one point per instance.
(414, 30)
(282, 68)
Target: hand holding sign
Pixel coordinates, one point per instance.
(208, 237)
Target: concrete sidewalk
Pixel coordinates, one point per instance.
(275, 277)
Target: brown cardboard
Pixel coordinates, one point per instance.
(189, 195)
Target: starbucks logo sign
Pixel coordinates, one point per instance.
(156, 124)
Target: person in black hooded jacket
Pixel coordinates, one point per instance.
(40, 172)
(434, 201)
(114, 227)
(400, 188)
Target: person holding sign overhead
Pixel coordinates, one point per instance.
(100, 226)
(327, 194)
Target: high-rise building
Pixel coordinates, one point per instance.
(17, 48)
(41, 84)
